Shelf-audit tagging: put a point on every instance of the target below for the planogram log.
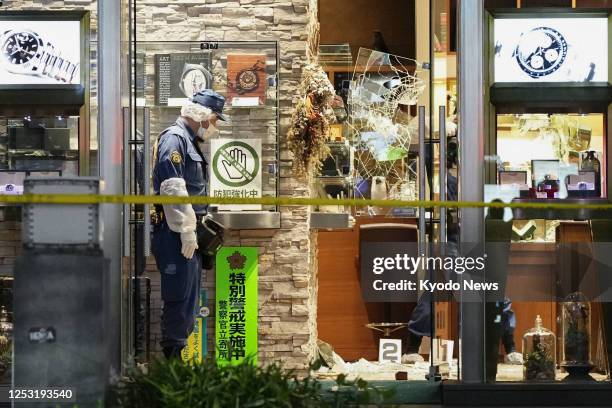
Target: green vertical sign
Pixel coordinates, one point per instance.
(195, 349)
(236, 305)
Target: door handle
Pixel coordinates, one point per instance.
(147, 179)
(422, 179)
(442, 175)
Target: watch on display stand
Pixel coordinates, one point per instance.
(194, 79)
(25, 52)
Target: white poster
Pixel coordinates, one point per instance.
(236, 171)
(551, 50)
(40, 52)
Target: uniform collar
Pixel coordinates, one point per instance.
(181, 123)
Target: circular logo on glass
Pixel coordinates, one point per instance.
(541, 51)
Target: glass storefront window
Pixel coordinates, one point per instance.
(551, 273)
(48, 123)
(547, 144)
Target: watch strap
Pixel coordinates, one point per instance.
(54, 66)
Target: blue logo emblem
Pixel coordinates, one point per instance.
(541, 51)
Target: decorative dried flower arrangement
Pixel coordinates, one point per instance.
(313, 114)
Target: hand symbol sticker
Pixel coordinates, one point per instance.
(235, 167)
(236, 164)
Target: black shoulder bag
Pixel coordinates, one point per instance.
(210, 235)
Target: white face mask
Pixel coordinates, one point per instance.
(209, 133)
(201, 132)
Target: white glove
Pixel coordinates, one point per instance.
(180, 218)
(189, 244)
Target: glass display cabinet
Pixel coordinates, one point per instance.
(552, 155)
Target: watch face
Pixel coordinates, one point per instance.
(19, 48)
(248, 81)
(541, 51)
(194, 81)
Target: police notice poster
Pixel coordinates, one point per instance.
(236, 171)
(236, 305)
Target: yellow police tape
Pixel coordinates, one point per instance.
(286, 201)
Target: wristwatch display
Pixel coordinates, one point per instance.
(541, 51)
(194, 79)
(25, 52)
(247, 80)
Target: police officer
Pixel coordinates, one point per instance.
(180, 169)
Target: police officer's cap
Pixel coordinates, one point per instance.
(212, 100)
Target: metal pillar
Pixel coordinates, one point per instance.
(471, 172)
(110, 133)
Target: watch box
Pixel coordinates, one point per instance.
(518, 178)
(57, 139)
(26, 138)
(515, 178)
(582, 184)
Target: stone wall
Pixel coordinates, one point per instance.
(287, 289)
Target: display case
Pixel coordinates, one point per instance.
(48, 96)
(562, 155)
(246, 73)
(576, 336)
(539, 353)
(40, 144)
